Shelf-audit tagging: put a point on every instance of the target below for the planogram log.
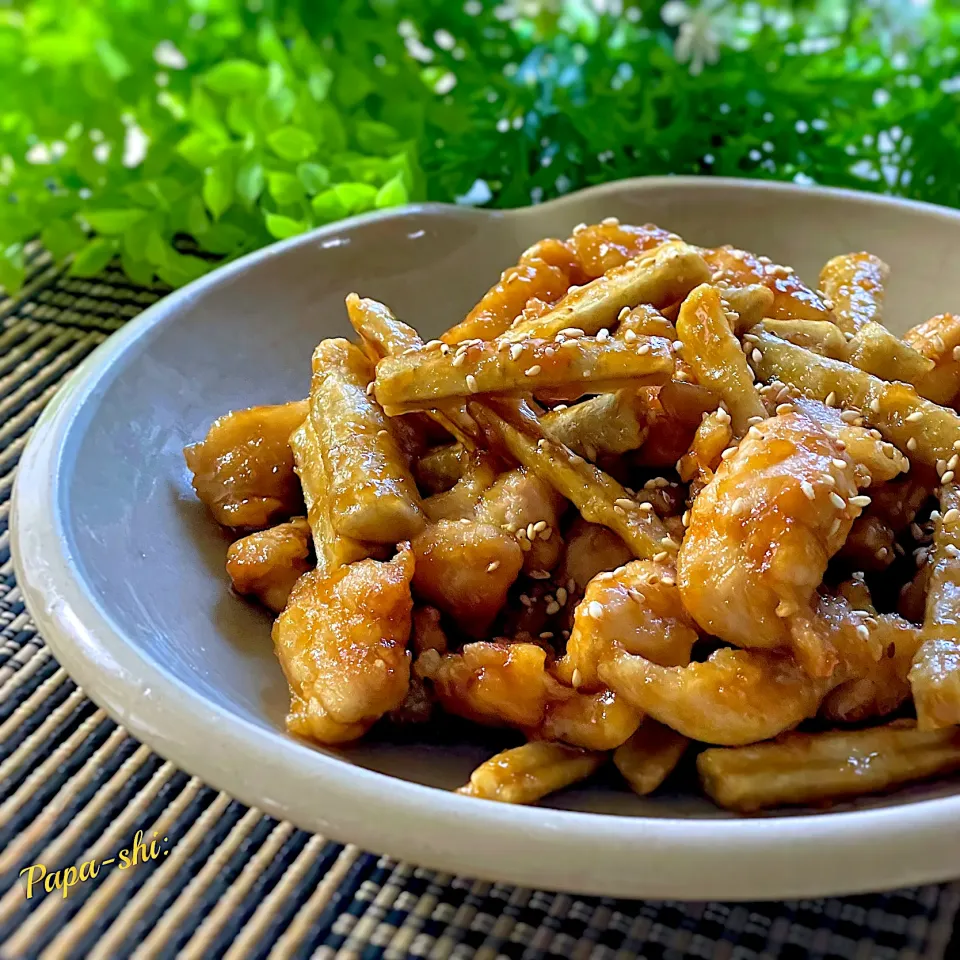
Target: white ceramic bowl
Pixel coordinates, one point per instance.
(123, 571)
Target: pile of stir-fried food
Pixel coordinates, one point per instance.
(646, 498)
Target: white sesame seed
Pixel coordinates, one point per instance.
(645, 507)
(728, 453)
(661, 556)
(472, 383)
(685, 519)
(623, 314)
(630, 335)
(837, 500)
(669, 542)
(831, 399)
(531, 531)
(562, 596)
(740, 507)
(492, 565)
(539, 575)
(941, 466)
(458, 359)
(756, 356)
(784, 408)
(951, 516)
(863, 632)
(515, 350)
(861, 500)
(610, 222)
(576, 677)
(914, 417)
(956, 353)
(678, 345)
(595, 609)
(552, 608)
(912, 444)
(370, 387)
(947, 477)
(834, 527)
(624, 502)
(807, 487)
(532, 371)
(579, 228)
(875, 405)
(603, 334)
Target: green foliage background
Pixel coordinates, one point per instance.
(264, 118)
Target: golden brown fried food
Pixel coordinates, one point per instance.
(635, 609)
(792, 299)
(333, 549)
(594, 721)
(605, 425)
(267, 564)
(425, 378)
(923, 429)
(817, 336)
(700, 462)
(813, 768)
(650, 756)
(869, 544)
(524, 506)
(243, 468)
(935, 677)
(660, 276)
(543, 273)
(603, 246)
(876, 350)
(714, 354)
(342, 642)
(460, 501)
(855, 282)
(499, 684)
(938, 339)
(761, 533)
(732, 698)
(466, 568)
(372, 494)
(525, 774)
(590, 549)
(597, 496)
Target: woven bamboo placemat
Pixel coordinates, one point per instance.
(235, 883)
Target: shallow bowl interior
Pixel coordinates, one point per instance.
(148, 623)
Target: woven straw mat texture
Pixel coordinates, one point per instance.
(238, 884)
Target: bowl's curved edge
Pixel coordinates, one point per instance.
(589, 853)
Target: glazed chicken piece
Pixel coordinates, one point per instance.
(938, 339)
(761, 534)
(876, 652)
(466, 568)
(602, 720)
(243, 468)
(342, 643)
(494, 683)
(636, 610)
(792, 299)
(602, 246)
(542, 276)
(733, 698)
(267, 564)
(590, 549)
(526, 507)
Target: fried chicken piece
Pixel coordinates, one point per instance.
(342, 643)
(761, 534)
(267, 564)
(466, 568)
(243, 468)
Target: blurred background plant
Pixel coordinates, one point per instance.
(140, 129)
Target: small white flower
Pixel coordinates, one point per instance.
(702, 30)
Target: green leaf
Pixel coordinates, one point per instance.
(319, 80)
(270, 46)
(223, 238)
(112, 60)
(250, 181)
(234, 76)
(292, 143)
(356, 197)
(204, 113)
(375, 137)
(352, 84)
(313, 176)
(198, 223)
(156, 250)
(285, 188)
(12, 271)
(275, 109)
(200, 149)
(62, 237)
(112, 222)
(139, 271)
(94, 257)
(218, 190)
(241, 116)
(181, 268)
(392, 194)
(328, 206)
(282, 227)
